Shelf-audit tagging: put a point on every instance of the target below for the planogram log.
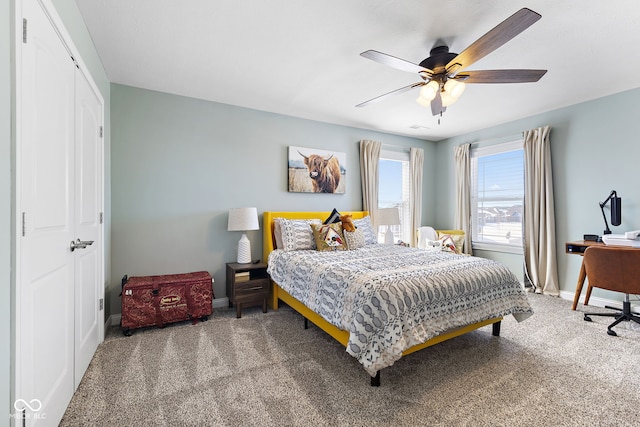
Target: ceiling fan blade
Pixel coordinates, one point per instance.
(393, 92)
(394, 62)
(436, 105)
(501, 76)
(499, 35)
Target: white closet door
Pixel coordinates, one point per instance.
(89, 319)
(46, 271)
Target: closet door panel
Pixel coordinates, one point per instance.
(88, 190)
(46, 295)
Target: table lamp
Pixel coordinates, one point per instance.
(243, 219)
(388, 217)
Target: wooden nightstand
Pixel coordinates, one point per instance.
(247, 285)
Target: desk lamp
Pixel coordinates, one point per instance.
(388, 217)
(616, 210)
(243, 219)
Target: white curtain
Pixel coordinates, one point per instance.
(369, 162)
(539, 215)
(462, 219)
(416, 160)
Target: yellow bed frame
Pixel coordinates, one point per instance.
(342, 336)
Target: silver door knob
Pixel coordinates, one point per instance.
(79, 244)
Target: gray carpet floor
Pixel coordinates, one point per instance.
(553, 369)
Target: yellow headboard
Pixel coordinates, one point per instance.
(269, 241)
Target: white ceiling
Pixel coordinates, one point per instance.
(301, 58)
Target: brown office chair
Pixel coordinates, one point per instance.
(615, 269)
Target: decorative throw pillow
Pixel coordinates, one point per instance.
(297, 234)
(451, 242)
(364, 225)
(354, 239)
(328, 237)
(447, 244)
(334, 217)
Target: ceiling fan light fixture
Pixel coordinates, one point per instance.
(454, 88)
(429, 91)
(447, 99)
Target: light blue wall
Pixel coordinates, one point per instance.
(594, 150)
(6, 307)
(179, 164)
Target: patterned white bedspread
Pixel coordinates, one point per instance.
(390, 297)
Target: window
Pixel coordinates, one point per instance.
(393, 191)
(497, 196)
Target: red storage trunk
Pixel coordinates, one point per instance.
(158, 300)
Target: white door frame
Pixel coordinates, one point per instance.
(66, 39)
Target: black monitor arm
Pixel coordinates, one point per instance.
(602, 205)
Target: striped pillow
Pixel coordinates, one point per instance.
(297, 234)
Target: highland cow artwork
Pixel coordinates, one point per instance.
(316, 171)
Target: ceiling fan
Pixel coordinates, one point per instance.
(443, 78)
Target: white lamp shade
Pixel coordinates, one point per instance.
(243, 219)
(447, 99)
(454, 87)
(429, 91)
(388, 216)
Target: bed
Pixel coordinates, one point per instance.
(383, 302)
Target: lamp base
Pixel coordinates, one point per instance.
(388, 236)
(244, 250)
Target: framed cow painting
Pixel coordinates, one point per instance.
(316, 171)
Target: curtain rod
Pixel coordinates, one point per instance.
(497, 140)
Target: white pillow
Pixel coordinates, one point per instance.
(297, 234)
(364, 224)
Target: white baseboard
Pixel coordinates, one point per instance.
(600, 302)
(221, 303)
(114, 319)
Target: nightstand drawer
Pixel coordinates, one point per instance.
(251, 287)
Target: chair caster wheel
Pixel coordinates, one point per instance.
(587, 318)
(127, 332)
(612, 333)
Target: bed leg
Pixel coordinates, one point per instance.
(496, 329)
(375, 381)
(306, 323)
